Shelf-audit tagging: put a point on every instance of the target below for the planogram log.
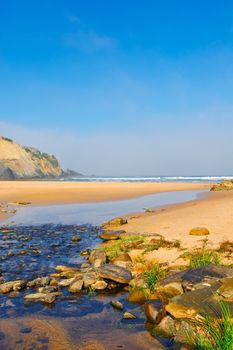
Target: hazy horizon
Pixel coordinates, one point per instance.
(136, 87)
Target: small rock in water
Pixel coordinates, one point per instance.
(39, 282)
(117, 304)
(67, 282)
(129, 316)
(76, 239)
(99, 285)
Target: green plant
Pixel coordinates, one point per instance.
(114, 249)
(91, 290)
(161, 243)
(153, 275)
(204, 257)
(215, 334)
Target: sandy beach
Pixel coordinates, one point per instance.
(39, 192)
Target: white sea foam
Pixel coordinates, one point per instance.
(151, 178)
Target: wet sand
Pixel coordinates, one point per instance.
(41, 192)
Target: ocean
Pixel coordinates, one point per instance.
(188, 179)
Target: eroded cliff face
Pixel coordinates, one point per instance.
(20, 162)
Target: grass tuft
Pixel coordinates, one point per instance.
(153, 275)
(215, 334)
(114, 249)
(204, 257)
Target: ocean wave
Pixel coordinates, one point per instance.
(209, 178)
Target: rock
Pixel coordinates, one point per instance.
(138, 296)
(20, 162)
(90, 278)
(67, 282)
(211, 271)
(62, 268)
(23, 252)
(76, 239)
(129, 316)
(99, 285)
(181, 311)
(171, 290)
(115, 273)
(138, 282)
(117, 304)
(71, 274)
(76, 286)
(97, 258)
(199, 231)
(167, 326)
(125, 257)
(47, 289)
(42, 297)
(110, 236)
(85, 252)
(39, 282)
(154, 311)
(12, 286)
(131, 244)
(226, 185)
(226, 290)
(115, 222)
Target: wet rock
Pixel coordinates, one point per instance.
(47, 289)
(129, 316)
(62, 268)
(39, 282)
(199, 231)
(99, 285)
(42, 297)
(113, 235)
(117, 304)
(67, 282)
(76, 286)
(12, 286)
(154, 310)
(167, 326)
(85, 252)
(90, 278)
(76, 239)
(86, 267)
(115, 222)
(115, 273)
(23, 252)
(97, 258)
(138, 296)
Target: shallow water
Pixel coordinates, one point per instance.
(97, 213)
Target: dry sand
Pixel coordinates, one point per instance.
(214, 211)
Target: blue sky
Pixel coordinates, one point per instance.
(128, 87)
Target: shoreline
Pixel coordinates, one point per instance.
(48, 193)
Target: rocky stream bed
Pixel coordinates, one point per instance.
(58, 292)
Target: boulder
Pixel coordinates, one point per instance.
(97, 258)
(115, 273)
(12, 286)
(171, 289)
(42, 297)
(167, 326)
(110, 236)
(76, 286)
(90, 278)
(99, 285)
(226, 185)
(39, 282)
(154, 311)
(122, 257)
(115, 222)
(226, 289)
(138, 296)
(199, 231)
(181, 311)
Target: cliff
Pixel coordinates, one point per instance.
(20, 162)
